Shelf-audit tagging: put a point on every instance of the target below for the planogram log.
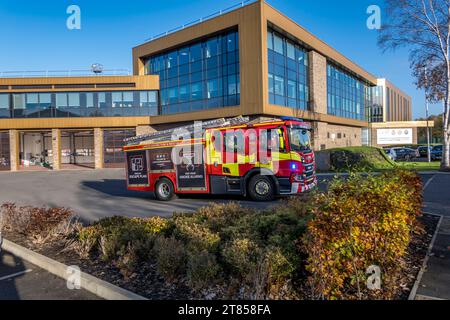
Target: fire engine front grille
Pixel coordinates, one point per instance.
(309, 171)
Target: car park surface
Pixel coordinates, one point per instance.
(21, 280)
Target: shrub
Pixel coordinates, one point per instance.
(196, 236)
(170, 258)
(359, 159)
(360, 222)
(155, 225)
(88, 239)
(111, 236)
(273, 276)
(218, 216)
(241, 255)
(127, 261)
(40, 225)
(202, 270)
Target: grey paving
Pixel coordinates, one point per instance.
(437, 195)
(435, 283)
(96, 194)
(33, 283)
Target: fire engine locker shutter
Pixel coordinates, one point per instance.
(137, 168)
(191, 172)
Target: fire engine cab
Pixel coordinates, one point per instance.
(260, 159)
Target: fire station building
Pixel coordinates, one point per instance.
(249, 60)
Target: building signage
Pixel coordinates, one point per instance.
(137, 168)
(394, 136)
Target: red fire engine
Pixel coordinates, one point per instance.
(261, 159)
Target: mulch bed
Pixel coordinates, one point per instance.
(146, 281)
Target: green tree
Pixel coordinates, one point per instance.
(423, 26)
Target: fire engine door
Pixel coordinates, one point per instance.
(214, 152)
(233, 152)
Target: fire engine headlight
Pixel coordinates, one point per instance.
(296, 178)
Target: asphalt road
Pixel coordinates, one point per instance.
(20, 280)
(93, 195)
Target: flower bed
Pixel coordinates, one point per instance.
(314, 247)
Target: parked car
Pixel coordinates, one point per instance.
(436, 153)
(402, 154)
(423, 151)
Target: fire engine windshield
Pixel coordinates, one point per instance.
(300, 139)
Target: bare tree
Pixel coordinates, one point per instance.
(423, 26)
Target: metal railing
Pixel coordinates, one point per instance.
(63, 73)
(203, 19)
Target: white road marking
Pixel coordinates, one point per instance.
(15, 275)
(428, 182)
(423, 297)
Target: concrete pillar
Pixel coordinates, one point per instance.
(144, 129)
(318, 82)
(98, 148)
(56, 148)
(14, 147)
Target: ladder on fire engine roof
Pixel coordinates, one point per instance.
(165, 135)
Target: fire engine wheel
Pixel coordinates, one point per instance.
(260, 188)
(164, 190)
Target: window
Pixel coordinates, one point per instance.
(4, 106)
(45, 100)
(196, 52)
(4, 101)
(290, 51)
(211, 48)
(61, 100)
(278, 44)
(207, 74)
(79, 104)
(32, 100)
(89, 100)
(128, 99)
(279, 85)
(74, 99)
(348, 96)
(212, 88)
(196, 91)
(270, 40)
(292, 89)
(183, 57)
(102, 99)
(288, 72)
(19, 101)
(231, 42)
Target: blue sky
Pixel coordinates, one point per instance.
(34, 34)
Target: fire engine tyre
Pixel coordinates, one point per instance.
(164, 190)
(260, 188)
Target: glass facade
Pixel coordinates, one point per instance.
(348, 96)
(78, 104)
(113, 156)
(4, 106)
(200, 76)
(288, 72)
(376, 107)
